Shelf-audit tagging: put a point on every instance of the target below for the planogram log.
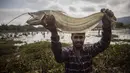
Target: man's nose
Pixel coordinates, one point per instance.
(78, 39)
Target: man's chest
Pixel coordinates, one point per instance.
(79, 57)
(76, 64)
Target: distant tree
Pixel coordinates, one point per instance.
(19, 28)
(127, 26)
(4, 27)
(119, 25)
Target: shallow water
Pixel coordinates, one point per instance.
(30, 37)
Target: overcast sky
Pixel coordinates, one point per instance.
(77, 8)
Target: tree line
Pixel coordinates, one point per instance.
(121, 25)
(19, 28)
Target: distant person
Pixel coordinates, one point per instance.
(78, 58)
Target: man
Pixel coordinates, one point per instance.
(78, 58)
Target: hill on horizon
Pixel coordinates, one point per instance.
(124, 20)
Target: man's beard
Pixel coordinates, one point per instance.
(78, 45)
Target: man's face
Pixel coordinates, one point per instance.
(78, 39)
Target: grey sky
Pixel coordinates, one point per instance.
(87, 9)
(96, 1)
(12, 8)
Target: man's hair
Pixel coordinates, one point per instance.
(77, 33)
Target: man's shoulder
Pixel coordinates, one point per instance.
(67, 49)
(88, 45)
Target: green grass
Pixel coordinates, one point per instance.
(123, 40)
(38, 56)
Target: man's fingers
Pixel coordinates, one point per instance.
(52, 17)
(43, 21)
(103, 10)
(114, 18)
(43, 17)
(46, 20)
(109, 12)
(106, 17)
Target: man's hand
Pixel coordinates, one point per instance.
(48, 21)
(107, 18)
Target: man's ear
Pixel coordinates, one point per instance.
(71, 37)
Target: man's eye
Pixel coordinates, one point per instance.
(75, 37)
(80, 37)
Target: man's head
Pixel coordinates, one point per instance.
(78, 39)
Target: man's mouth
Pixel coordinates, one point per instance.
(78, 44)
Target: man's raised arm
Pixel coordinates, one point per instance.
(106, 34)
(48, 21)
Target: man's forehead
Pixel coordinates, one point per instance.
(73, 34)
